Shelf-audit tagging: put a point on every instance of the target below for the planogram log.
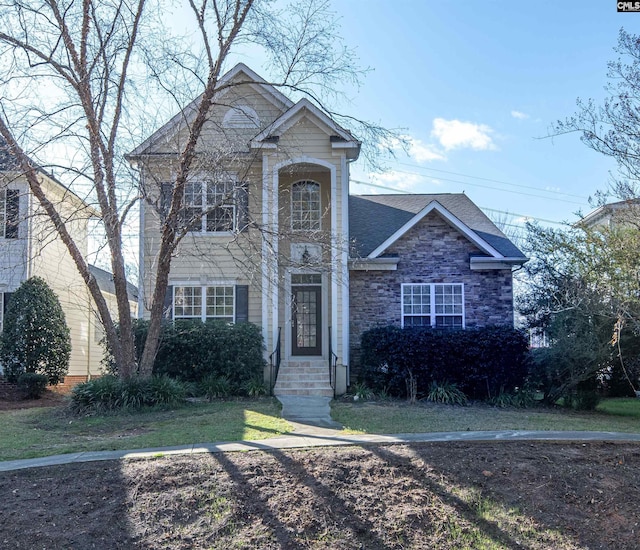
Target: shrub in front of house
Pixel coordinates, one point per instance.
(35, 336)
(32, 385)
(108, 393)
(480, 362)
(192, 351)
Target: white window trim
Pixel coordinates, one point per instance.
(432, 300)
(203, 302)
(232, 182)
(319, 212)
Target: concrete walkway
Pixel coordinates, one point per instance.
(308, 410)
(306, 435)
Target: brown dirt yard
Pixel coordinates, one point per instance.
(430, 495)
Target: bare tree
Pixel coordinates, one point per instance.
(77, 75)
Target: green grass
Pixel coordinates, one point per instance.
(399, 417)
(33, 433)
(629, 407)
(30, 433)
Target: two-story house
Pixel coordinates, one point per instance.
(275, 238)
(30, 246)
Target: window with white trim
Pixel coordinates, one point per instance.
(210, 207)
(306, 210)
(439, 305)
(204, 302)
(9, 213)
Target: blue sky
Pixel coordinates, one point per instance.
(477, 85)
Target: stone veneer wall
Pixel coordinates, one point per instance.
(430, 252)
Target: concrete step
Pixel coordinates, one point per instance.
(303, 378)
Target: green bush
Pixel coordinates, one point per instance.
(444, 392)
(214, 386)
(109, 393)
(32, 385)
(192, 351)
(35, 337)
(478, 361)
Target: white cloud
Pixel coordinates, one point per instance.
(456, 134)
(422, 152)
(413, 147)
(519, 115)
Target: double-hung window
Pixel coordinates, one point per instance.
(306, 211)
(210, 207)
(439, 305)
(204, 302)
(9, 212)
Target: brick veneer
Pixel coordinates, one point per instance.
(430, 252)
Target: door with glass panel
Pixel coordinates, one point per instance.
(306, 314)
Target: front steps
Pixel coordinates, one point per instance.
(308, 377)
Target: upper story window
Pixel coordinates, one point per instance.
(306, 211)
(9, 212)
(433, 305)
(210, 207)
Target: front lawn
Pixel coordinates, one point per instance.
(613, 415)
(29, 433)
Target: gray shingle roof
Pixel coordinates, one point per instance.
(374, 218)
(105, 282)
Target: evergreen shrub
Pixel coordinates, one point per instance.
(480, 362)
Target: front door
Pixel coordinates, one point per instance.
(306, 317)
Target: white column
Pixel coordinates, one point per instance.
(266, 333)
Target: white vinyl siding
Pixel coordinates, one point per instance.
(438, 305)
(204, 302)
(3, 212)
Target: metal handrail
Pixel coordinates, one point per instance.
(274, 363)
(333, 366)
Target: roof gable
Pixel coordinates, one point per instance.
(238, 75)
(304, 108)
(377, 221)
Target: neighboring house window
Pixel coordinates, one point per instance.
(433, 305)
(210, 206)
(4, 303)
(204, 302)
(9, 211)
(305, 206)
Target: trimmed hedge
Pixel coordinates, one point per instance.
(192, 351)
(480, 362)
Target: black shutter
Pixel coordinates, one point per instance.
(13, 214)
(242, 303)
(5, 306)
(242, 205)
(167, 308)
(165, 197)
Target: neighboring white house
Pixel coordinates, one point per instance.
(29, 246)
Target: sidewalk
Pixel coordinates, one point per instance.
(305, 436)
